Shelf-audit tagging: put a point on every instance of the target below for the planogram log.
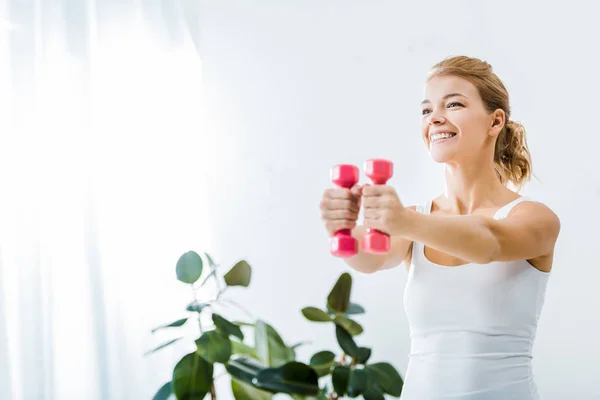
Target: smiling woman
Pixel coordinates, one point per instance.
(478, 256)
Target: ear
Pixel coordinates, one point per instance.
(497, 122)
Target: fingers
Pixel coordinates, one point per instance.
(333, 226)
(340, 214)
(377, 201)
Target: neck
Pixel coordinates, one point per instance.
(471, 186)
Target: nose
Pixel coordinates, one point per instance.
(435, 118)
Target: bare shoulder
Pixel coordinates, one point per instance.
(535, 212)
(529, 232)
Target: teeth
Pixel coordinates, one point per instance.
(439, 136)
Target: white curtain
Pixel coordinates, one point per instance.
(103, 185)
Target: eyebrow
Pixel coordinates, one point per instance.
(446, 97)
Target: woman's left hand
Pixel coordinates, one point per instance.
(383, 210)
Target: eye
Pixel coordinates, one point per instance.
(425, 111)
(455, 103)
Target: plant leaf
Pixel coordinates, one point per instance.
(242, 348)
(196, 306)
(355, 309)
(373, 390)
(214, 347)
(227, 327)
(357, 382)
(339, 377)
(164, 392)
(346, 342)
(293, 378)
(295, 346)
(189, 267)
(162, 346)
(211, 263)
(244, 391)
(339, 297)
(315, 314)
(321, 362)
(245, 369)
(192, 377)
(173, 324)
(353, 327)
(239, 274)
(363, 354)
(386, 377)
(213, 272)
(270, 348)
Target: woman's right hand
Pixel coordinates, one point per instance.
(340, 208)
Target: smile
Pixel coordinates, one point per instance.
(442, 136)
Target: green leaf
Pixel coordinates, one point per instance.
(242, 348)
(373, 390)
(339, 297)
(322, 362)
(340, 377)
(212, 273)
(293, 378)
(346, 342)
(244, 391)
(162, 346)
(270, 348)
(189, 267)
(358, 382)
(196, 306)
(211, 263)
(164, 392)
(363, 354)
(214, 347)
(386, 377)
(316, 315)
(295, 346)
(355, 309)
(227, 327)
(244, 369)
(192, 377)
(239, 275)
(353, 327)
(177, 323)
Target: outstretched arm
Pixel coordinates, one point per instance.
(529, 231)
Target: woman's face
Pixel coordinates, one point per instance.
(455, 124)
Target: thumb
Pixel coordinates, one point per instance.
(356, 190)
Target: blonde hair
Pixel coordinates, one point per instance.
(511, 156)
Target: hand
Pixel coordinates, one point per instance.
(340, 208)
(383, 210)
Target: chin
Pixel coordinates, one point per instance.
(441, 156)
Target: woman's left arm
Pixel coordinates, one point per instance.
(530, 231)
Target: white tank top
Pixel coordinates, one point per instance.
(472, 327)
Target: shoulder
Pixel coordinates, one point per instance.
(531, 210)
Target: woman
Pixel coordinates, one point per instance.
(478, 256)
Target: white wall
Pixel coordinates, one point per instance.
(297, 86)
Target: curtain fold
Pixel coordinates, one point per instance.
(102, 179)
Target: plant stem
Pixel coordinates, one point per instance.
(213, 394)
(196, 300)
(233, 303)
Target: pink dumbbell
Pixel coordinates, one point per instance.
(343, 244)
(379, 171)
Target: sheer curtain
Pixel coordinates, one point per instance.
(103, 185)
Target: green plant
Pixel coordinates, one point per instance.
(268, 365)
